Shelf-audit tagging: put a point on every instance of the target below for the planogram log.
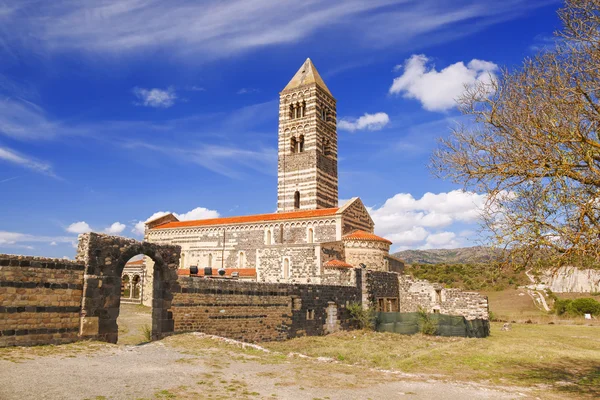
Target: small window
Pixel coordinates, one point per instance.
(242, 260)
(269, 237)
(297, 200)
(301, 144)
(291, 111)
(293, 144)
(281, 234)
(210, 260)
(438, 296)
(310, 314)
(311, 235)
(286, 268)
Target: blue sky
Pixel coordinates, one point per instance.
(113, 111)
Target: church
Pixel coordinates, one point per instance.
(310, 239)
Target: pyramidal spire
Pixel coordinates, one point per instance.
(306, 75)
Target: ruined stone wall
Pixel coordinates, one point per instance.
(356, 217)
(204, 247)
(372, 254)
(40, 300)
(256, 312)
(434, 298)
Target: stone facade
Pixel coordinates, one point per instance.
(434, 298)
(40, 300)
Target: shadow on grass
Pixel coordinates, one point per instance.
(581, 377)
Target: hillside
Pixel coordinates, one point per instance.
(465, 255)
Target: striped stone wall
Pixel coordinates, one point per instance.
(312, 172)
(40, 300)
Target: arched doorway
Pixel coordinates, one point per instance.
(135, 309)
(105, 258)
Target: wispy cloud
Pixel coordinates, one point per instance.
(157, 98)
(8, 179)
(215, 28)
(247, 91)
(24, 240)
(24, 120)
(14, 157)
(224, 160)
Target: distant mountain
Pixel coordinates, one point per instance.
(465, 255)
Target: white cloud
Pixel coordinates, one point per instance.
(424, 222)
(13, 157)
(53, 243)
(438, 91)
(196, 213)
(115, 228)
(371, 122)
(79, 227)
(156, 98)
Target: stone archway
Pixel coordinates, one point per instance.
(105, 257)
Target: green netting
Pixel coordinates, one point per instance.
(446, 325)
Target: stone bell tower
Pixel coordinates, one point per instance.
(307, 169)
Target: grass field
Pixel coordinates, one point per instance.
(563, 359)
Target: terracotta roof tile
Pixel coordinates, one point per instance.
(366, 236)
(135, 263)
(337, 264)
(323, 212)
(242, 272)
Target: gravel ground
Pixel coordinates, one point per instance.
(195, 367)
(188, 367)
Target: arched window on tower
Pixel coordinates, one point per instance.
(311, 235)
(326, 147)
(291, 111)
(210, 260)
(242, 260)
(303, 108)
(297, 200)
(293, 144)
(301, 144)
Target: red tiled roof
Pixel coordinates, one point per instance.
(362, 235)
(242, 272)
(135, 263)
(251, 218)
(337, 264)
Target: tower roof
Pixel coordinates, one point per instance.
(306, 75)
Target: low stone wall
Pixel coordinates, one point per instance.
(257, 312)
(435, 299)
(40, 300)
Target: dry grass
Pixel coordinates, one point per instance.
(20, 354)
(516, 305)
(564, 358)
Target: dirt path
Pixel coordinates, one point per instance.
(133, 319)
(189, 367)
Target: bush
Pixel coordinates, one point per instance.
(577, 307)
(427, 326)
(147, 331)
(364, 318)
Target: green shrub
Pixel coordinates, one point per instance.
(577, 307)
(147, 331)
(364, 318)
(427, 326)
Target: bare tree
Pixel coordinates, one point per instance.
(533, 144)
